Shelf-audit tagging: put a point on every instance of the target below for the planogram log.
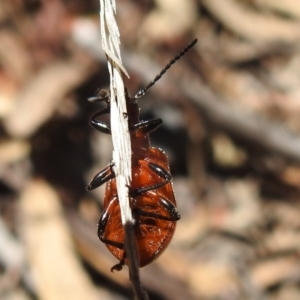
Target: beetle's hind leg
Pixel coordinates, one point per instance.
(161, 172)
(167, 205)
(100, 232)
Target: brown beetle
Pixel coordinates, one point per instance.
(151, 192)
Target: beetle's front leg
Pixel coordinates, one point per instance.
(99, 125)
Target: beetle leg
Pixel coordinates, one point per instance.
(170, 208)
(161, 172)
(99, 125)
(119, 266)
(100, 232)
(102, 177)
(167, 205)
(102, 95)
(146, 126)
(112, 243)
(101, 229)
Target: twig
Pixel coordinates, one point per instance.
(46, 89)
(120, 136)
(253, 128)
(287, 7)
(252, 25)
(133, 265)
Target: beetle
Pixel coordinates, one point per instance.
(152, 199)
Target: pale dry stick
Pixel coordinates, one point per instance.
(251, 25)
(120, 137)
(287, 7)
(50, 253)
(42, 95)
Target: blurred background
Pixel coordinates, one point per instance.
(231, 129)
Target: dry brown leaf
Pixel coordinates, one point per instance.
(56, 269)
(37, 102)
(253, 25)
(170, 19)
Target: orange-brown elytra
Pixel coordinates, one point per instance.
(151, 192)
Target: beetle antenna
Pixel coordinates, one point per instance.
(163, 71)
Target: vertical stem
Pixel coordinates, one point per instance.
(121, 138)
